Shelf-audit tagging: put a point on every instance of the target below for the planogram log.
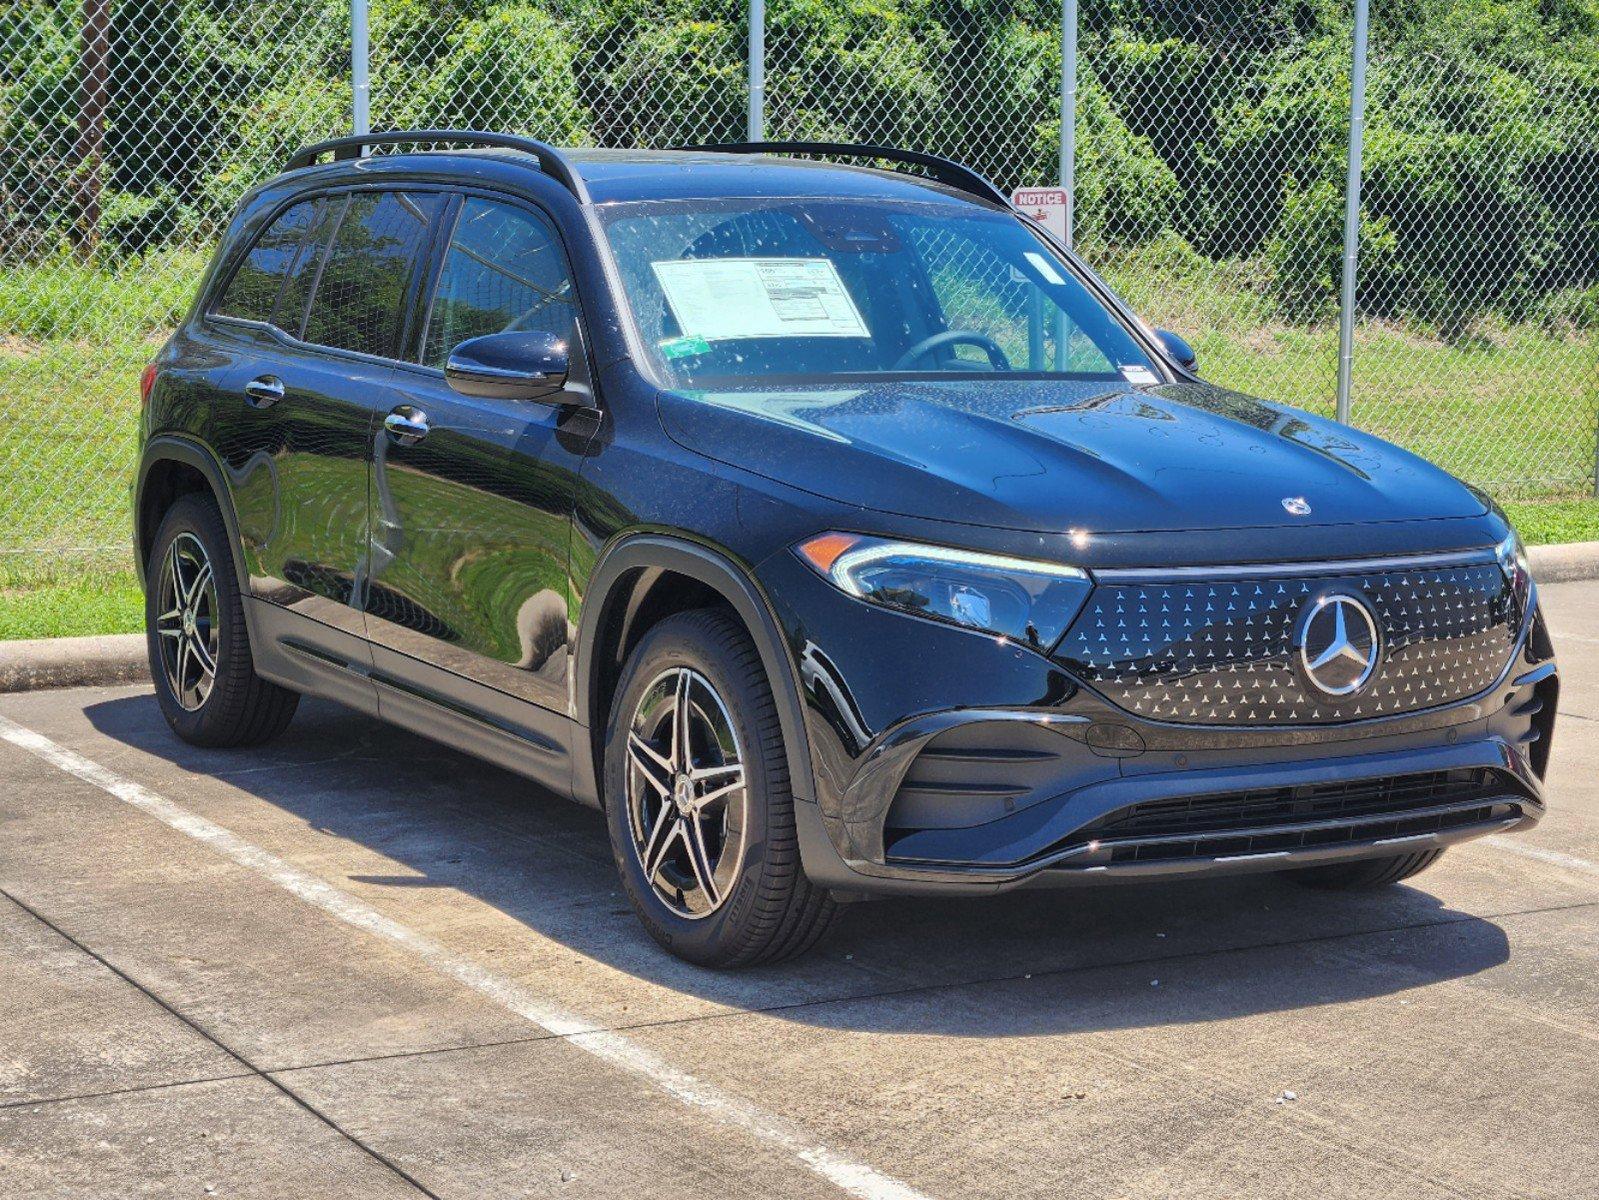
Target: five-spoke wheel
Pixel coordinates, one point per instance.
(685, 792)
(697, 798)
(187, 621)
(200, 655)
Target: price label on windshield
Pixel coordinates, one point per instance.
(724, 298)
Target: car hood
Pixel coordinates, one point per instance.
(1053, 456)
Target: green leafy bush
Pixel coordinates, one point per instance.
(1219, 124)
(503, 70)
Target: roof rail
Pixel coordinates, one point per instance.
(551, 161)
(944, 170)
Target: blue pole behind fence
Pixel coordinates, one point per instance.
(360, 79)
(757, 70)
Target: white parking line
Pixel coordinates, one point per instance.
(1570, 861)
(855, 1178)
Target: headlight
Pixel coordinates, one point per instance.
(1512, 557)
(1030, 601)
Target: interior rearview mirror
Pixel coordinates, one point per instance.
(1179, 349)
(516, 365)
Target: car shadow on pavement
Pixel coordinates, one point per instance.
(1026, 962)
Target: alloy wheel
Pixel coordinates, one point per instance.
(187, 624)
(686, 797)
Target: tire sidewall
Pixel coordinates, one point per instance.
(712, 939)
(198, 517)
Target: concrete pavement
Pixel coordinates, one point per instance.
(351, 965)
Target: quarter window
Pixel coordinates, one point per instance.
(252, 293)
(360, 294)
(504, 270)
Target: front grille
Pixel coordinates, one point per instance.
(1223, 653)
(1264, 820)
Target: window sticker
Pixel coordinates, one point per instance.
(724, 298)
(1139, 376)
(683, 347)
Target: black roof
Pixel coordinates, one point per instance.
(620, 175)
(742, 169)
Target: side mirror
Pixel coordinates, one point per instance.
(1179, 349)
(516, 365)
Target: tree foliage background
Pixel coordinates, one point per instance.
(1210, 132)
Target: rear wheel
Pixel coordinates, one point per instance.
(205, 680)
(698, 803)
(1367, 874)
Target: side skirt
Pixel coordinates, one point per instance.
(316, 659)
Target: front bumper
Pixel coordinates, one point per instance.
(1010, 770)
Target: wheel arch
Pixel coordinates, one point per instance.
(171, 467)
(642, 578)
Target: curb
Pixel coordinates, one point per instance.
(1564, 563)
(27, 666)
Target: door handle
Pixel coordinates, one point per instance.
(264, 391)
(407, 425)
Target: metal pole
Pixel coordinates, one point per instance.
(1068, 145)
(360, 79)
(94, 50)
(1357, 138)
(1068, 111)
(757, 68)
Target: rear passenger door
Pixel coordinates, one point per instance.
(471, 520)
(309, 395)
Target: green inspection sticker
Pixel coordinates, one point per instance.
(682, 347)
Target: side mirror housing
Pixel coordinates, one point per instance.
(1178, 349)
(515, 365)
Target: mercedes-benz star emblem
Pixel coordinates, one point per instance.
(1338, 644)
(1297, 506)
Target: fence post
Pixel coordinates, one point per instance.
(360, 79)
(756, 128)
(1068, 112)
(94, 50)
(1357, 140)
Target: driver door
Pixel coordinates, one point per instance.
(472, 498)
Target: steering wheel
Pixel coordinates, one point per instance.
(954, 337)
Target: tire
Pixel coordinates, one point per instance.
(1366, 875)
(236, 707)
(758, 907)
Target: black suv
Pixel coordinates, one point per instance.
(829, 526)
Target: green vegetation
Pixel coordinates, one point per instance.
(1555, 521)
(69, 599)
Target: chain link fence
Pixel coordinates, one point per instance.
(1210, 137)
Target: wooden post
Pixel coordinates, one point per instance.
(93, 66)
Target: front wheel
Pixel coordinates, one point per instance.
(1367, 874)
(205, 680)
(698, 803)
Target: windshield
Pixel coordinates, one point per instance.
(732, 292)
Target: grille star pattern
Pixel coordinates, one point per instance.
(1222, 653)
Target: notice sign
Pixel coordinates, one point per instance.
(1047, 206)
(719, 298)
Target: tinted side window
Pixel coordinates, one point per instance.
(359, 302)
(504, 270)
(252, 293)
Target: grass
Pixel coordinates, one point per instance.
(1556, 521)
(1514, 411)
(69, 602)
